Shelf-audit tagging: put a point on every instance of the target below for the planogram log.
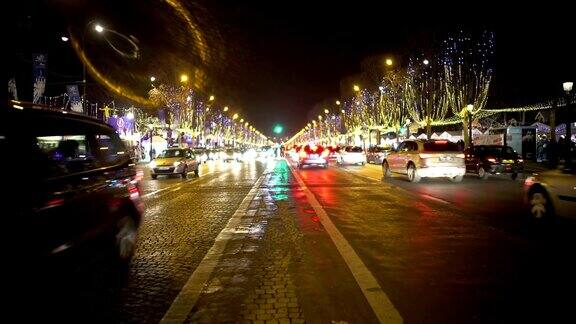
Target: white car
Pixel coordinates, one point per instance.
(351, 155)
(174, 161)
(201, 155)
(426, 159)
(552, 193)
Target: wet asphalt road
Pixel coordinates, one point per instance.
(442, 252)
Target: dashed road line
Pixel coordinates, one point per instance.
(175, 185)
(377, 298)
(188, 296)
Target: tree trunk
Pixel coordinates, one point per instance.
(465, 131)
(428, 130)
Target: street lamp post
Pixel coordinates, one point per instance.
(469, 109)
(567, 87)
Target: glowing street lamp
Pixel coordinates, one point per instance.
(356, 88)
(337, 102)
(152, 79)
(326, 111)
(225, 108)
(184, 78)
(235, 116)
(426, 62)
(99, 28)
(64, 38)
(212, 98)
(389, 62)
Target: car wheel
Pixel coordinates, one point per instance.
(125, 238)
(196, 173)
(154, 176)
(363, 163)
(412, 174)
(325, 166)
(457, 178)
(185, 173)
(482, 174)
(514, 176)
(386, 170)
(540, 204)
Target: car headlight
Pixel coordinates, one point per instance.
(152, 164)
(176, 163)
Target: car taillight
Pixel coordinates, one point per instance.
(460, 155)
(492, 160)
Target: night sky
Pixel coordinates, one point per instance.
(274, 60)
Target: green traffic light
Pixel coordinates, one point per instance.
(278, 129)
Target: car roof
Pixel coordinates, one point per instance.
(10, 114)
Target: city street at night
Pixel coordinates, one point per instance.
(439, 251)
(209, 161)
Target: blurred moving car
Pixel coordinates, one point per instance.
(351, 155)
(214, 154)
(231, 155)
(484, 160)
(312, 155)
(78, 187)
(174, 161)
(333, 152)
(376, 154)
(426, 159)
(552, 193)
(265, 152)
(201, 154)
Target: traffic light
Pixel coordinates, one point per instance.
(278, 129)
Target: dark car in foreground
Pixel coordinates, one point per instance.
(72, 185)
(484, 160)
(552, 193)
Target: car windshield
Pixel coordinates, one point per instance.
(441, 146)
(354, 149)
(172, 153)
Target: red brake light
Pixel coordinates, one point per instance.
(441, 142)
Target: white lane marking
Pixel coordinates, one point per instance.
(377, 298)
(174, 185)
(188, 296)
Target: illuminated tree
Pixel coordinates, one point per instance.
(393, 104)
(425, 92)
(467, 73)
